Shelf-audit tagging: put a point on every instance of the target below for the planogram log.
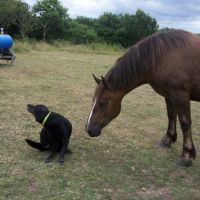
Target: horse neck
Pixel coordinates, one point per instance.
(141, 79)
(130, 72)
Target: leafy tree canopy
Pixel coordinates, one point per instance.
(7, 13)
(51, 8)
(54, 23)
(53, 15)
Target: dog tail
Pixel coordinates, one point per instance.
(35, 145)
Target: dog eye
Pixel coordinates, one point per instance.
(102, 104)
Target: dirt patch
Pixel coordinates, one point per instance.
(153, 191)
(32, 186)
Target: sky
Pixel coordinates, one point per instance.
(179, 14)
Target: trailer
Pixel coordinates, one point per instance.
(6, 43)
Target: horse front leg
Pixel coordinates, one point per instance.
(181, 102)
(171, 135)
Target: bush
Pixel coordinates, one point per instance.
(80, 34)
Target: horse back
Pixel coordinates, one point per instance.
(179, 69)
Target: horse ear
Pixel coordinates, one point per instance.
(98, 81)
(105, 83)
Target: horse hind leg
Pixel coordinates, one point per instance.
(182, 105)
(188, 150)
(171, 135)
(188, 146)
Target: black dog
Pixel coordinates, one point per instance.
(54, 135)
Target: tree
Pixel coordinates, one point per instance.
(24, 18)
(54, 15)
(145, 24)
(166, 29)
(45, 28)
(107, 26)
(127, 35)
(90, 22)
(79, 33)
(125, 29)
(7, 13)
(136, 27)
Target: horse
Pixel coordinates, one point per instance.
(169, 62)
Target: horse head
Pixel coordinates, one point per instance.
(106, 106)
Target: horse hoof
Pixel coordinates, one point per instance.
(163, 144)
(183, 162)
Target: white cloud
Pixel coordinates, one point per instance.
(89, 8)
(182, 14)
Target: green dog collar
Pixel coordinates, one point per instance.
(45, 119)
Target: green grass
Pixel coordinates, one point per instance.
(60, 45)
(100, 168)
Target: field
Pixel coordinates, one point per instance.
(124, 163)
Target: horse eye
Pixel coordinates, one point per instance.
(102, 104)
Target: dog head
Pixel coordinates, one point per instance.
(38, 111)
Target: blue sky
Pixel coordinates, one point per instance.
(180, 14)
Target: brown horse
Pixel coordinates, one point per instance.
(168, 61)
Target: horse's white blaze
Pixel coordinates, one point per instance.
(91, 112)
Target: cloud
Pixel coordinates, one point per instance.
(89, 8)
(181, 14)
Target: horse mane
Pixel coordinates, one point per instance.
(143, 56)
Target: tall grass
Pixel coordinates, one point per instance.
(62, 45)
(20, 46)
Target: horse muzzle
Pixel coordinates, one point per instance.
(94, 131)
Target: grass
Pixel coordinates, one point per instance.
(123, 163)
(60, 45)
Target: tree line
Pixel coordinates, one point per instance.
(49, 20)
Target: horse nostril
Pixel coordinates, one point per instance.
(90, 133)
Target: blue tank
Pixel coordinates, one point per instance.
(6, 42)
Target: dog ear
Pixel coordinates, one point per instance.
(98, 81)
(105, 83)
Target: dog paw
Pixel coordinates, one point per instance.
(48, 160)
(60, 162)
(69, 151)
